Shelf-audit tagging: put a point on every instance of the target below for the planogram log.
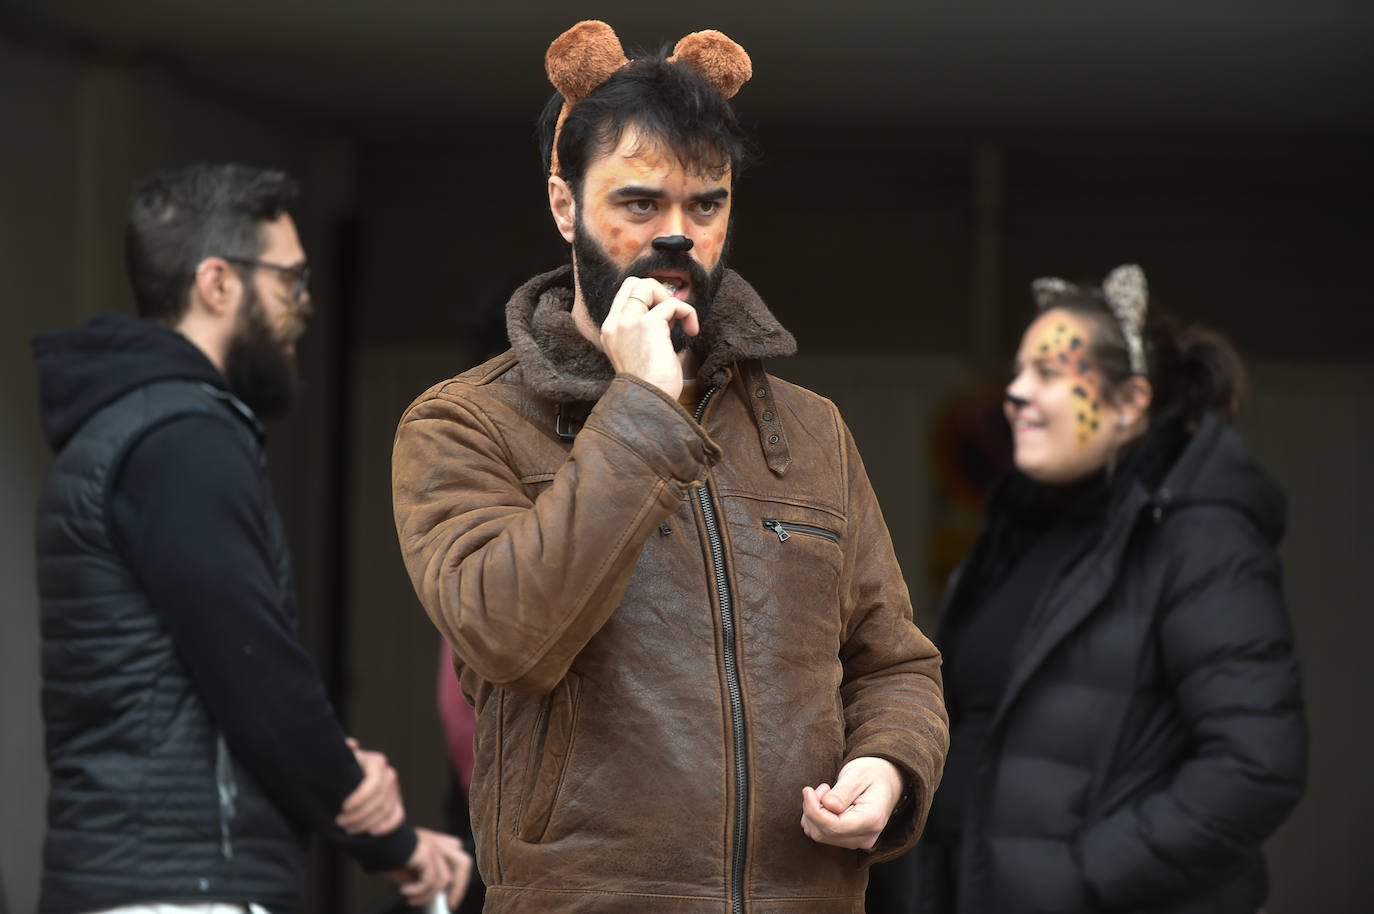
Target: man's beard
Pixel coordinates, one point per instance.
(599, 279)
(257, 366)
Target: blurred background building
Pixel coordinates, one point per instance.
(920, 167)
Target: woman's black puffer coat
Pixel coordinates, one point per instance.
(1151, 735)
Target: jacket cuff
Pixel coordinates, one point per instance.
(908, 817)
(383, 853)
(654, 426)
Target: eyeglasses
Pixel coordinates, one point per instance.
(301, 273)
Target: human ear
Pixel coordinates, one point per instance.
(216, 287)
(1135, 402)
(563, 207)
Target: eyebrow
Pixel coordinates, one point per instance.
(1017, 365)
(653, 193)
(635, 190)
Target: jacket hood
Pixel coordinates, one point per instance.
(560, 363)
(82, 370)
(1214, 468)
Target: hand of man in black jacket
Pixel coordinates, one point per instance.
(375, 806)
(439, 865)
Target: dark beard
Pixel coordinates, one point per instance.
(599, 279)
(257, 366)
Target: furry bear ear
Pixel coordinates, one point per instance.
(723, 63)
(583, 58)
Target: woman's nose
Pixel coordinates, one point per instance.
(1016, 393)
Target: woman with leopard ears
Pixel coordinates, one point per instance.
(1126, 721)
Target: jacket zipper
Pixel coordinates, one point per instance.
(784, 530)
(732, 684)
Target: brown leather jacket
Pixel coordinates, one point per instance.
(668, 626)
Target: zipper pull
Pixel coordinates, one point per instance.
(779, 529)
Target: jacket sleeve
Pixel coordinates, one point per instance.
(189, 508)
(1226, 646)
(518, 586)
(892, 690)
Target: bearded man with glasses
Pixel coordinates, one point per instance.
(190, 743)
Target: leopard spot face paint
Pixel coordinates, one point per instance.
(1064, 343)
(1055, 403)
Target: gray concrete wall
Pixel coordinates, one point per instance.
(38, 238)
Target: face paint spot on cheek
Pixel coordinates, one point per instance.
(615, 231)
(1063, 359)
(1080, 392)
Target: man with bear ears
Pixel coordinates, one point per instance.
(664, 575)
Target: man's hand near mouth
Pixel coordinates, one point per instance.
(635, 335)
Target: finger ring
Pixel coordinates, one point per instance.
(638, 299)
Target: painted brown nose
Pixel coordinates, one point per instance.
(678, 243)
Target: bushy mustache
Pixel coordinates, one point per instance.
(674, 261)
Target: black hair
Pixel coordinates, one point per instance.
(666, 103)
(1191, 370)
(178, 218)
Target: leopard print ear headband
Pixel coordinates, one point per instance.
(1127, 296)
(581, 60)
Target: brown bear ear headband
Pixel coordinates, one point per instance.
(581, 59)
(1127, 296)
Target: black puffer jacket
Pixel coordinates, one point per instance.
(1151, 735)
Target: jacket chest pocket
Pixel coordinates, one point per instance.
(788, 556)
(550, 745)
(785, 530)
(802, 553)
(790, 562)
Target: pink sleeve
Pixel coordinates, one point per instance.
(458, 717)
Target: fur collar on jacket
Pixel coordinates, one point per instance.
(561, 364)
